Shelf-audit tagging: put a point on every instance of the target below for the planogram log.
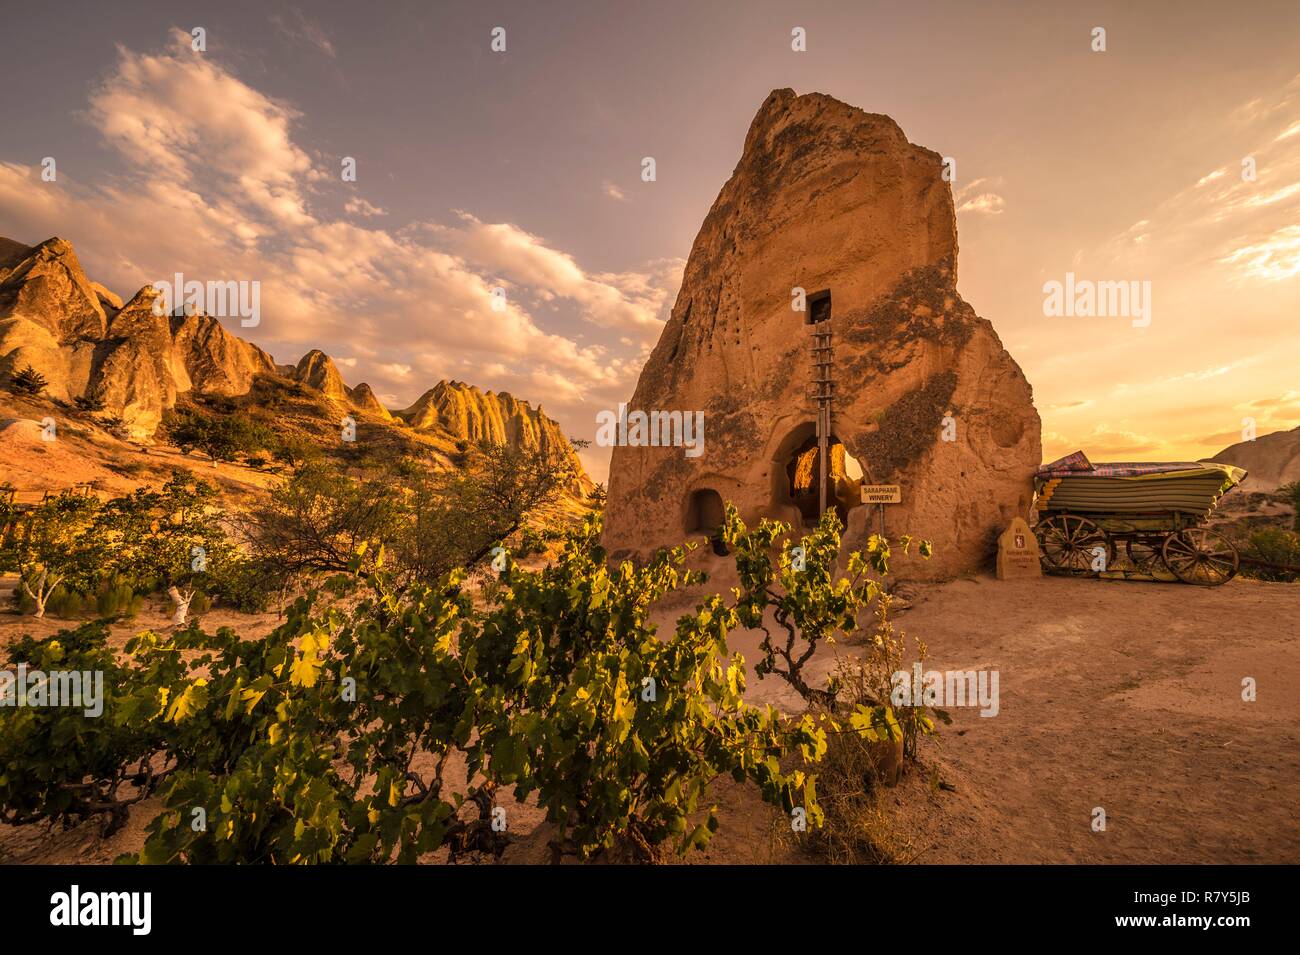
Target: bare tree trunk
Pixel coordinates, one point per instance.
(182, 602)
(42, 593)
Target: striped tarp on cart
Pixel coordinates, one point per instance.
(1133, 487)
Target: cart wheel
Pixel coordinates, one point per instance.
(1068, 543)
(1201, 556)
(1145, 557)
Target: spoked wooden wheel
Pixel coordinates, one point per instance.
(1201, 556)
(1069, 543)
(1145, 558)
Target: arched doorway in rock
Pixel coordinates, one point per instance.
(704, 511)
(796, 472)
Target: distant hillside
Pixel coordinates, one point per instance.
(89, 344)
(1272, 459)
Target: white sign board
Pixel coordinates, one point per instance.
(882, 494)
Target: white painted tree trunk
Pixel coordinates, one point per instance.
(182, 602)
(44, 587)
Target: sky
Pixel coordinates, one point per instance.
(521, 170)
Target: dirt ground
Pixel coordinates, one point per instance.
(1113, 694)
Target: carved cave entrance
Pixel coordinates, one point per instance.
(704, 512)
(796, 472)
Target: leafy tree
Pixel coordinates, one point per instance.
(429, 522)
(55, 544)
(28, 381)
(318, 519)
(295, 451)
(812, 605)
(174, 536)
(480, 506)
(617, 731)
(221, 437)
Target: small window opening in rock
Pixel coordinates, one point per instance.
(819, 307)
(704, 512)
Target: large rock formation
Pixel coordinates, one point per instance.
(46, 285)
(363, 399)
(87, 342)
(837, 202)
(318, 370)
(466, 413)
(1270, 460)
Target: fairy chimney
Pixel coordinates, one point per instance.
(833, 209)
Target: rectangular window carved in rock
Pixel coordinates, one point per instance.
(819, 307)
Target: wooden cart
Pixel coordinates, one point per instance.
(1134, 520)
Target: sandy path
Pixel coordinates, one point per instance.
(1115, 694)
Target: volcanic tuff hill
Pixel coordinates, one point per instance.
(87, 342)
(1271, 460)
(835, 201)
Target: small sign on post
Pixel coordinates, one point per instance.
(882, 494)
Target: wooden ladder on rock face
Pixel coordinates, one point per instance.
(823, 392)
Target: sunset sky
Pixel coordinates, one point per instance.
(522, 169)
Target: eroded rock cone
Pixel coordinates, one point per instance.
(837, 202)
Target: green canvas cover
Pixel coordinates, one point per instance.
(1194, 489)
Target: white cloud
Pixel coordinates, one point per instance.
(986, 203)
(1238, 228)
(218, 188)
(632, 301)
(978, 198)
(1273, 259)
(360, 207)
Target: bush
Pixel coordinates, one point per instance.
(1291, 493)
(91, 401)
(61, 602)
(29, 381)
(1278, 548)
(117, 598)
(241, 584)
(295, 451)
(221, 437)
(302, 747)
(617, 731)
(58, 764)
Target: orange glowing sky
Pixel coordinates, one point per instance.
(522, 169)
